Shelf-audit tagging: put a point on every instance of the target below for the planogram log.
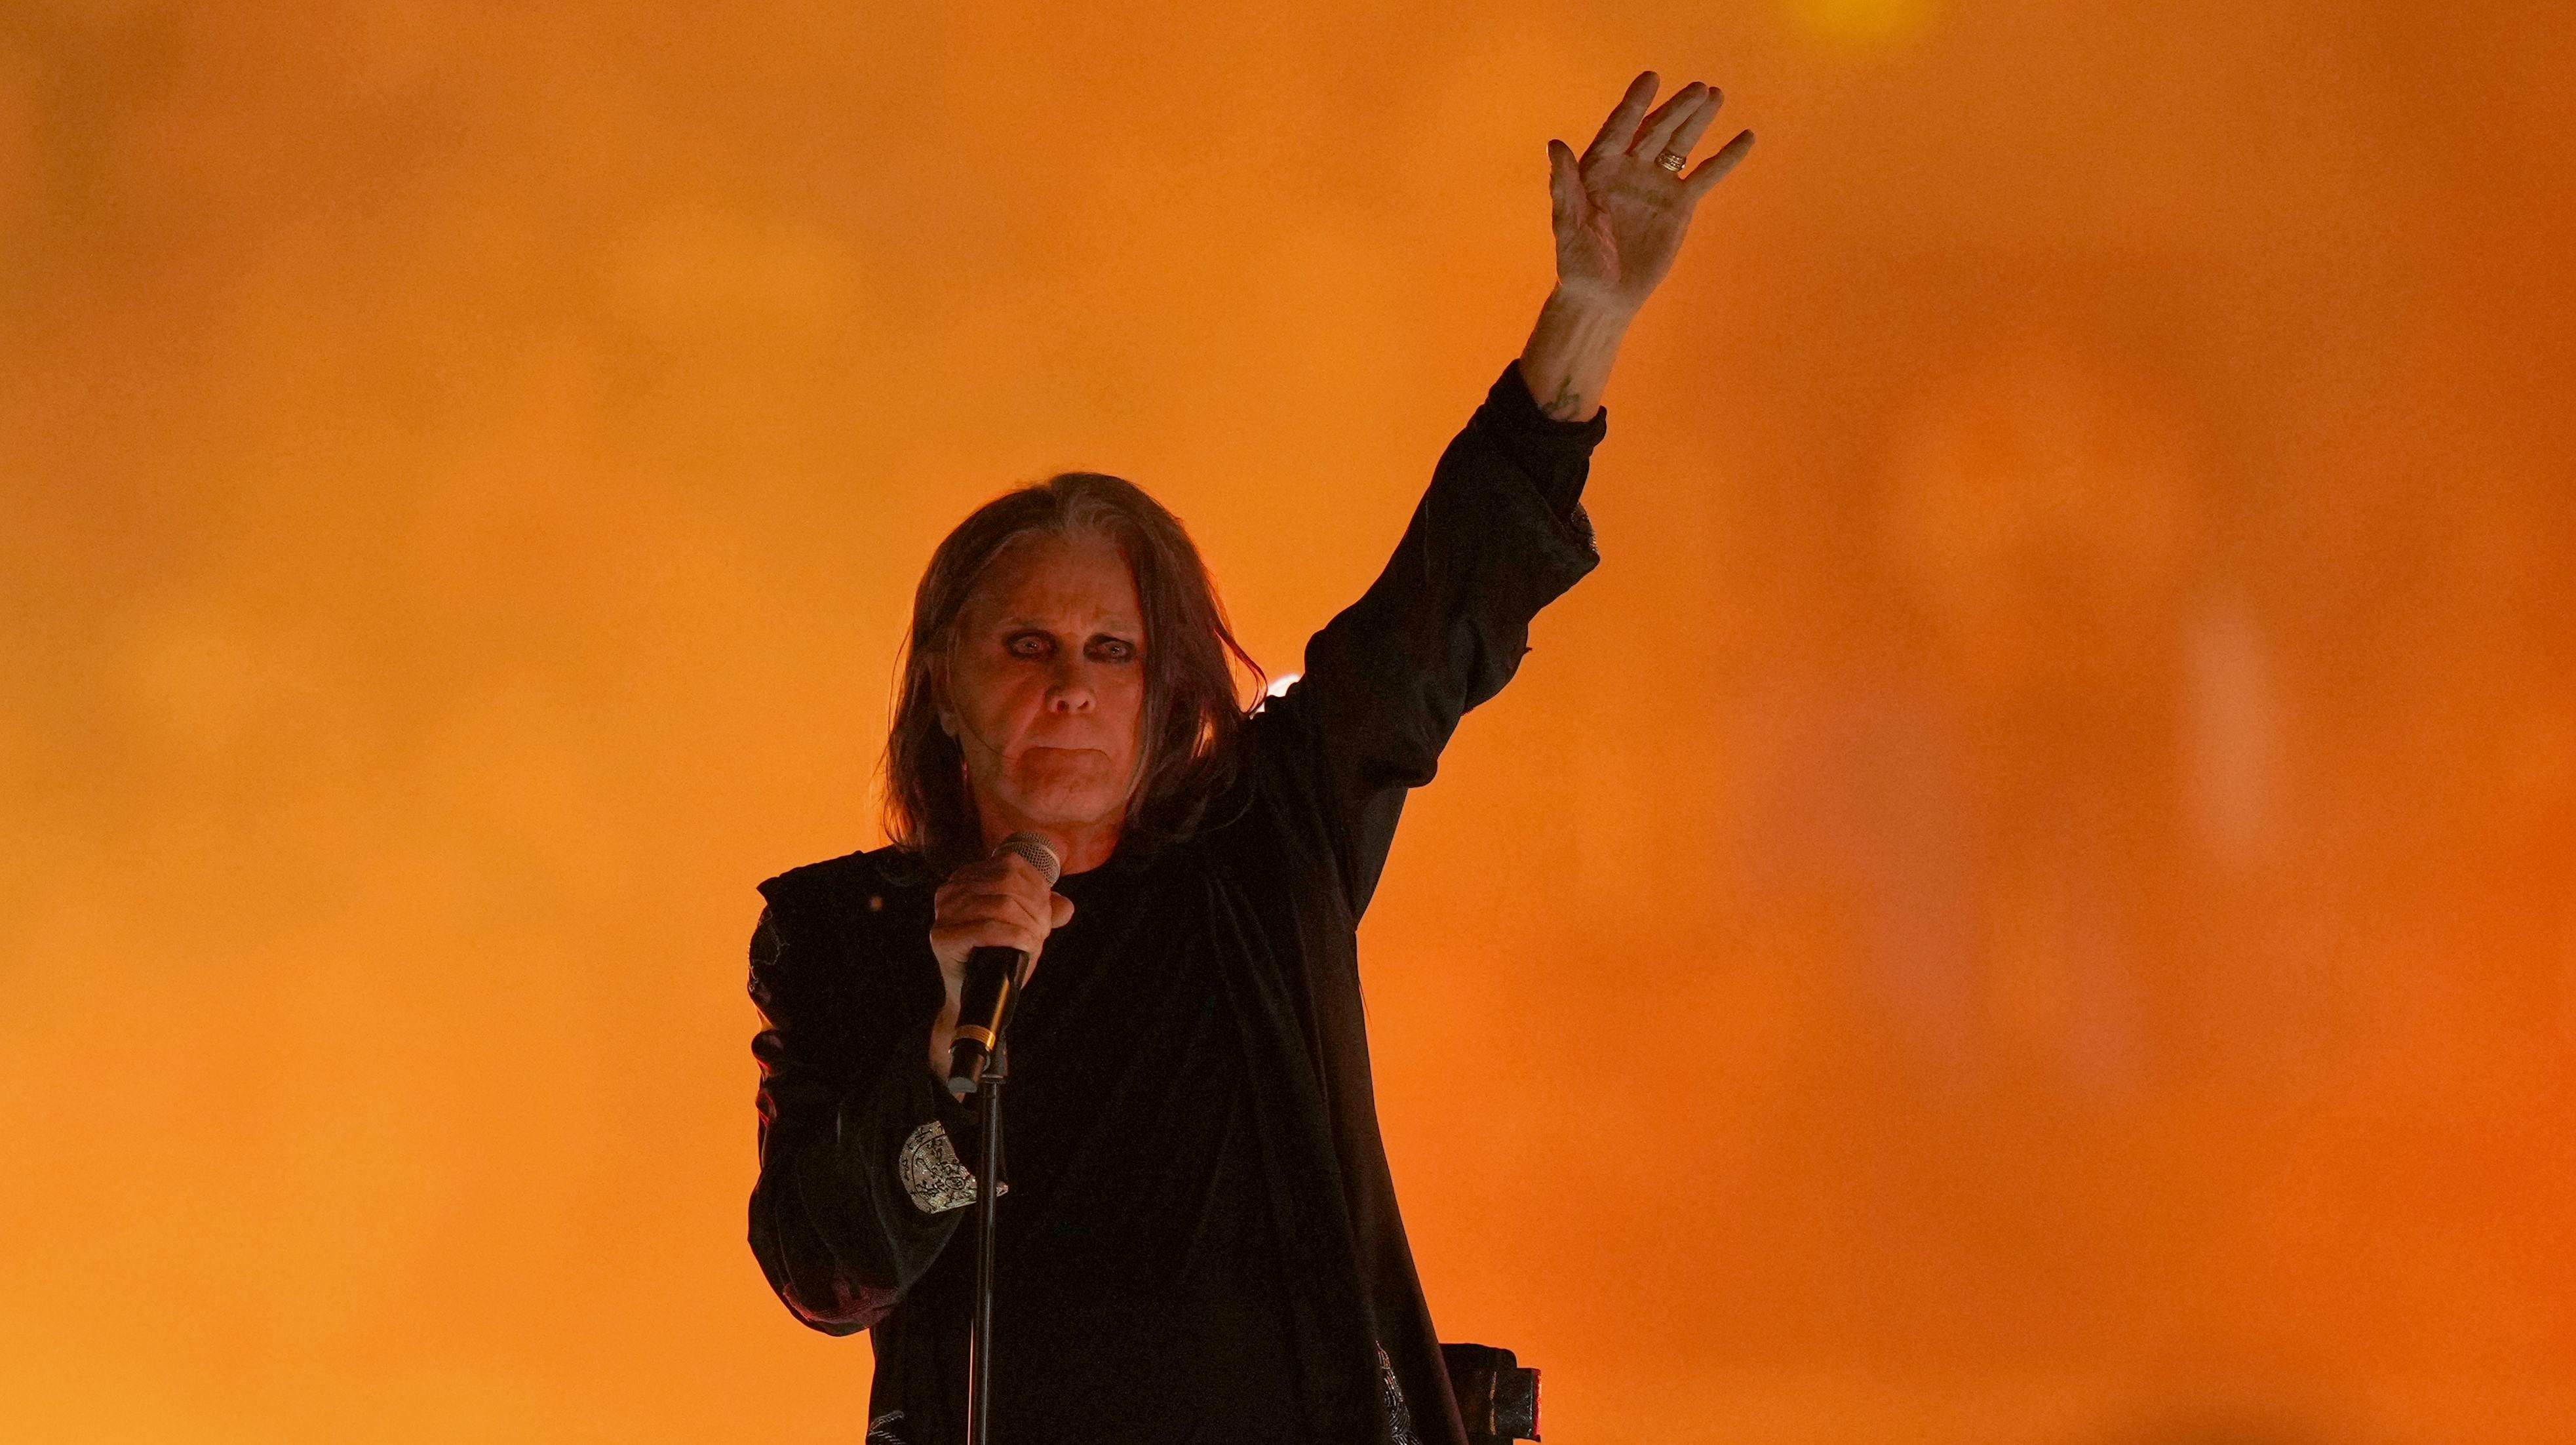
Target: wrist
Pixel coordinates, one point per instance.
(1594, 308)
(1570, 351)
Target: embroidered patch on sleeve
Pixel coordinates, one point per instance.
(932, 1174)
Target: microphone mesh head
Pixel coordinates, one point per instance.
(1035, 849)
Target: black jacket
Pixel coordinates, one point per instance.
(842, 972)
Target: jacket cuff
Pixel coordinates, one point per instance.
(1509, 402)
(1555, 455)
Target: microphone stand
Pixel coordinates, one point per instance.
(987, 1085)
(988, 1194)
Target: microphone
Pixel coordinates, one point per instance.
(992, 983)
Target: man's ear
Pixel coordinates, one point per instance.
(938, 662)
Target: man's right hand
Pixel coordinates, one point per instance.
(999, 902)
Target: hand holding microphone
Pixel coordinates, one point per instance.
(990, 922)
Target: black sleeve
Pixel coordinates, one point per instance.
(1500, 533)
(844, 1087)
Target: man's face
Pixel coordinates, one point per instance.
(1045, 683)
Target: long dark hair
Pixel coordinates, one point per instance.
(1185, 742)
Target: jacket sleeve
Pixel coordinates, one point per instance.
(860, 1185)
(1500, 533)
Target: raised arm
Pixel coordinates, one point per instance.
(1501, 532)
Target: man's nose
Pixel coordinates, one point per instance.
(1070, 689)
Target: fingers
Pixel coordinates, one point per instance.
(1689, 122)
(1676, 125)
(961, 903)
(1658, 127)
(996, 902)
(1703, 180)
(985, 921)
(1621, 127)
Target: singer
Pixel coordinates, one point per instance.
(1199, 1239)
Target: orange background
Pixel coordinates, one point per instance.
(2071, 749)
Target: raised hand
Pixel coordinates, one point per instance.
(1619, 215)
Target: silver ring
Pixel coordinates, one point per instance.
(1672, 161)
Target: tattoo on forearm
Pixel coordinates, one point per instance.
(1568, 403)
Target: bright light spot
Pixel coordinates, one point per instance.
(1279, 685)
